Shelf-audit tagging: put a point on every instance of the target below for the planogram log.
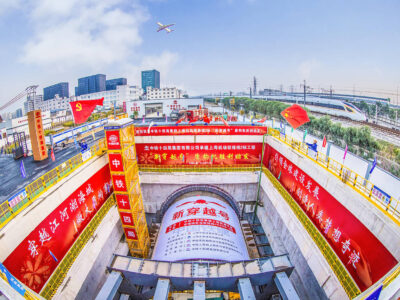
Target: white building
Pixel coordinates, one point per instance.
(56, 104)
(123, 93)
(163, 93)
(33, 103)
(161, 107)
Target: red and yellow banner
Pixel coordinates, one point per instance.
(35, 259)
(82, 109)
(363, 255)
(200, 130)
(199, 154)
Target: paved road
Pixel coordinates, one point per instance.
(11, 181)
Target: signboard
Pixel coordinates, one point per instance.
(113, 140)
(17, 198)
(381, 195)
(199, 154)
(363, 255)
(200, 227)
(35, 259)
(200, 130)
(14, 283)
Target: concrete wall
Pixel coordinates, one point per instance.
(156, 187)
(88, 273)
(312, 276)
(374, 219)
(18, 228)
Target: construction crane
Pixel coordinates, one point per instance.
(30, 91)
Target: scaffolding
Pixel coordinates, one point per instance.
(125, 176)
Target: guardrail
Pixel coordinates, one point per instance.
(46, 181)
(199, 168)
(390, 207)
(333, 260)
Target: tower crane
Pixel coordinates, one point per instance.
(30, 91)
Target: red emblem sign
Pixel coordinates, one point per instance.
(130, 233)
(126, 218)
(123, 201)
(113, 141)
(119, 183)
(115, 161)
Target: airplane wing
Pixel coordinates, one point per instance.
(168, 30)
(159, 24)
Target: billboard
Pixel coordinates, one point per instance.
(363, 255)
(223, 154)
(200, 130)
(200, 227)
(39, 254)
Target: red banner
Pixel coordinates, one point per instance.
(207, 222)
(199, 154)
(113, 141)
(201, 130)
(35, 259)
(363, 255)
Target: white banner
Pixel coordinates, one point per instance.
(200, 227)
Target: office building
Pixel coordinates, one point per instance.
(91, 84)
(61, 89)
(163, 93)
(112, 83)
(150, 78)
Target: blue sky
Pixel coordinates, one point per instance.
(217, 45)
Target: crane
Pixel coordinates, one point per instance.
(30, 91)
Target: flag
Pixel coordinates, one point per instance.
(295, 115)
(206, 119)
(279, 176)
(292, 129)
(262, 120)
(180, 120)
(225, 122)
(148, 128)
(143, 121)
(324, 142)
(193, 120)
(53, 158)
(251, 119)
(304, 135)
(373, 165)
(53, 256)
(22, 169)
(82, 109)
(345, 153)
(166, 119)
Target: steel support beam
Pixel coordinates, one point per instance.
(162, 289)
(245, 289)
(199, 290)
(110, 287)
(285, 287)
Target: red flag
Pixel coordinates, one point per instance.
(262, 120)
(206, 119)
(53, 158)
(82, 109)
(225, 122)
(180, 120)
(295, 115)
(324, 142)
(193, 120)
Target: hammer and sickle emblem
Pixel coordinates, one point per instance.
(78, 107)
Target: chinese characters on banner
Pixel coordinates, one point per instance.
(199, 154)
(35, 259)
(200, 227)
(364, 256)
(201, 130)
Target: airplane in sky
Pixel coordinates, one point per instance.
(164, 27)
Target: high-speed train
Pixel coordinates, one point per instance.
(321, 105)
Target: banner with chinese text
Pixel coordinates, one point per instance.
(201, 130)
(35, 259)
(199, 154)
(363, 255)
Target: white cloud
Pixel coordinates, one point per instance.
(83, 33)
(308, 67)
(6, 5)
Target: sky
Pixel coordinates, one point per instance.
(217, 45)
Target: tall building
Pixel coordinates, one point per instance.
(33, 103)
(61, 89)
(91, 84)
(18, 113)
(112, 83)
(150, 78)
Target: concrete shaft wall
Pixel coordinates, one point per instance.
(374, 219)
(18, 228)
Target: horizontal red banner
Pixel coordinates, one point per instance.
(208, 222)
(35, 259)
(199, 154)
(363, 255)
(200, 130)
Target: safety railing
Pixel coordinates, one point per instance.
(199, 168)
(62, 269)
(390, 207)
(46, 181)
(333, 260)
